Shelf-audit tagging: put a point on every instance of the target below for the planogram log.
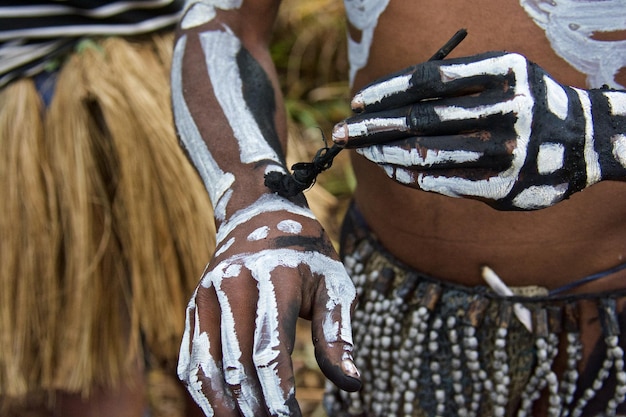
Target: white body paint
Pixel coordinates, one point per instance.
(540, 196)
(494, 188)
(376, 93)
(259, 234)
(363, 15)
(617, 101)
(199, 359)
(377, 125)
(223, 248)
(558, 102)
(289, 226)
(403, 176)
(396, 155)
(261, 265)
(550, 157)
(199, 12)
(216, 181)
(570, 26)
(592, 162)
(619, 149)
(265, 204)
(221, 49)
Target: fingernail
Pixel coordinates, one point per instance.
(357, 104)
(340, 134)
(349, 368)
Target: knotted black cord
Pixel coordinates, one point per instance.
(305, 173)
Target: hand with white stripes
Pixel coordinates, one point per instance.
(275, 263)
(493, 127)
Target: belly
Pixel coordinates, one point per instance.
(453, 238)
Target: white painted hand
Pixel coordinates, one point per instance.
(494, 127)
(273, 264)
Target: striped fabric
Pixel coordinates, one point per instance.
(32, 32)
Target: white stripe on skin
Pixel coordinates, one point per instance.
(221, 49)
(379, 91)
(290, 226)
(341, 291)
(199, 12)
(190, 363)
(377, 125)
(363, 15)
(203, 361)
(619, 149)
(234, 372)
(265, 204)
(550, 157)
(592, 163)
(494, 188)
(617, 101)
(396, 155)
(215, 180)
(224, 247)
(403, 176)
(220, 207)
(558, 103)
(259, 234)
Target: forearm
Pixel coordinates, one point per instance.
(227, 104)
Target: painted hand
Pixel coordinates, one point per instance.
(493, 127)
(274, 263)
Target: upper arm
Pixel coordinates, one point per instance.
(251, 20)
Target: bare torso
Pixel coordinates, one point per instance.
(452, 238)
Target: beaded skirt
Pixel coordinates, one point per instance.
(429, 348)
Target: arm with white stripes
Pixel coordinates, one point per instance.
(493, 127)
(273, 260)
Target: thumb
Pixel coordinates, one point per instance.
(332, 331)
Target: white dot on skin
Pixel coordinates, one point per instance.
(258, 234)
(290, 226)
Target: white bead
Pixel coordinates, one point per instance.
(440, 395)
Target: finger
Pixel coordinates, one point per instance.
(331, 325)
(274, 335)
(471, 152)
(480, 184)
(435, 79)
(198, 365)
(237, 295)
(485, 112)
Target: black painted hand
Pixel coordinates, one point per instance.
(493, 127)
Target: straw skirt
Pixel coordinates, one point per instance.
(105, 226)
